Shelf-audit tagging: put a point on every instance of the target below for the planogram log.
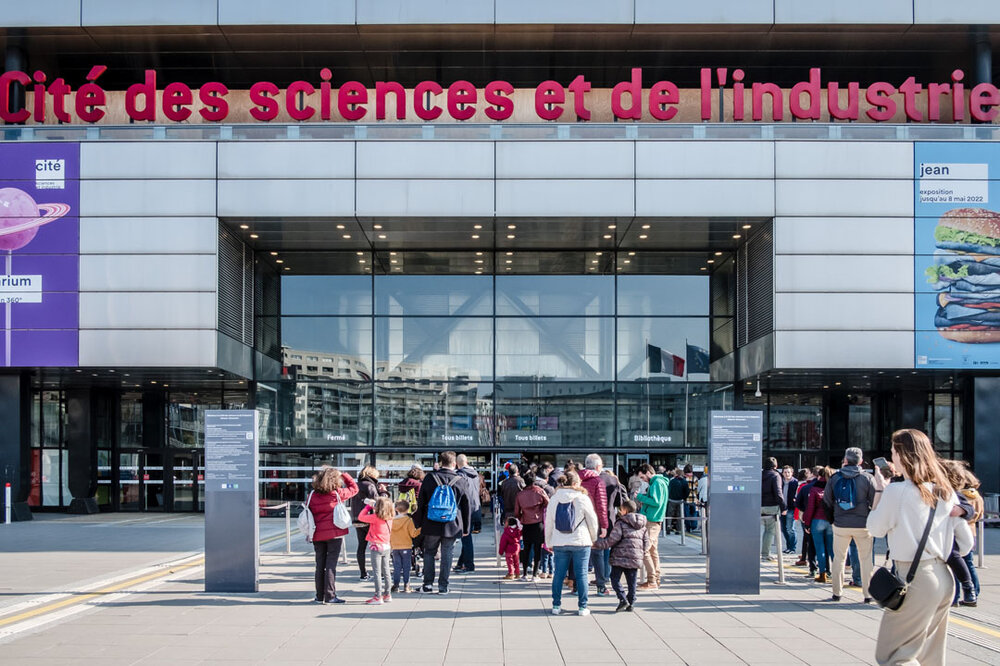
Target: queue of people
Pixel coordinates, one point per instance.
(560, 523)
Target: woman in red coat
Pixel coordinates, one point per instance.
(330, 486)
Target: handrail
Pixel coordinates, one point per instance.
(287, 506)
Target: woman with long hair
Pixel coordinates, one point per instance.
(570, 530)
(330, 487)
(367, 490)
(916, 633)
(817, 524)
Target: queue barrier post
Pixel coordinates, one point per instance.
(6, 504)
(778, 546)
(287, 506)
(981, 544)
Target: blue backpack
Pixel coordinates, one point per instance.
(843, 493)
(442, 508)
(566, 517)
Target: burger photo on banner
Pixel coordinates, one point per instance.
(966, 274)
(956, 247)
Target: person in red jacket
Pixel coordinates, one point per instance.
(510, 544)
(590, 479)
(330, 486)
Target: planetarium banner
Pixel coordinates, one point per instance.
(39, 254)
(957, 255)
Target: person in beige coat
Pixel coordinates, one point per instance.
(570, 531)
(916, 633)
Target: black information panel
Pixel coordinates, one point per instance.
(231, 512)
(735, 452)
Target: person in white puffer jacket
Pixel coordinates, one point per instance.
(570, 531)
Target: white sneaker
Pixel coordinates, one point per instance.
(583, 612)
(556, 610)
(530, 579)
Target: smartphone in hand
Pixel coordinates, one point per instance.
(881, 463)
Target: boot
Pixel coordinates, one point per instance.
(968, 597)
(821, 578)
(406, 588)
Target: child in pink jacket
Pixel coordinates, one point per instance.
(510, 547)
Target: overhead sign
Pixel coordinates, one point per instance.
(652, 438)
(52, 99)
(734, 468)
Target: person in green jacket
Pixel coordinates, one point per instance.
(654, 506)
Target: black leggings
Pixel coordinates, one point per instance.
(533, 536)
(362, 548)
(327, 554)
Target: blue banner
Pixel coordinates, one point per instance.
(956, 248)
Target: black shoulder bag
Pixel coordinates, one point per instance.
(886, 587)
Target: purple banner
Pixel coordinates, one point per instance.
(39, 254)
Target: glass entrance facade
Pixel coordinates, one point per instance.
(506, 350)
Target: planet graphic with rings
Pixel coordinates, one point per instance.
(21, 217)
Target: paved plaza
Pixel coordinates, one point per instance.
(120, 589)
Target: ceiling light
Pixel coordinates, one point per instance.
(279, 261)
(479, 261)
(735, 236)
(475, 236)
(479, 272)
(508, 268)
(477, 226)
(512, 226)
(607, 236)
(398, 268)
(836, 383)
(381, 236)
(593, 261)
(628, 261)
(643, 236)
(392, 261)
(718, 254)
(254, 236)
(361, 261)
(479, 254)
(711, 261)
(360, 254)
(645, 226)
(274, 254)
(619, 268)
(347, 236)
(510, 261)
(340, 226)
(244, 226)
(598, 253)
(287, 268)
(392, 254)
(827, 386)
(510, 236)
(704, 268)
(747, 226)
(612, 226)
(377, 226)
(153, 382)
(510, 254)
(631, 254)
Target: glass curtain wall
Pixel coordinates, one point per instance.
(455, 355)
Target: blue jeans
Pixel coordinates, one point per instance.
(822, 534)
(546, 565)
(467, 560)
(600, 559)
(402, 560)
(690, 511)
(788, 529)
(852, 552)
(567, 557)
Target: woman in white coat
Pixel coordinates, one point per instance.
(570, 531)
(916, 633)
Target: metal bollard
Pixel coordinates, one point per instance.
(6, 504)
(704, 530)
(778, 545)
(980, 543)
(288, 528)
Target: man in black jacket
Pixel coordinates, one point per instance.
(442, 534)
(772, 503)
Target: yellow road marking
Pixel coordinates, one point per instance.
(117, 587)
(975, 627)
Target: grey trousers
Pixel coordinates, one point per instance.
(381, 570)
(915, 635)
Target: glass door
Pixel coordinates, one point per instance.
(128, 481)
(184, 489)
(151, 481)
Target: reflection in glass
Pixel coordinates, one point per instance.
(672, 334)
(434, 415)
(131, 420)
(668, 415)
(289, 475)
(549, 348)
(186, 417)
(659, 295)
(409, 295)
(561, 415)
(326, 294)
(438, 348)
(316, 413)
(328, 347)
(795, 421)
(555, 295)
